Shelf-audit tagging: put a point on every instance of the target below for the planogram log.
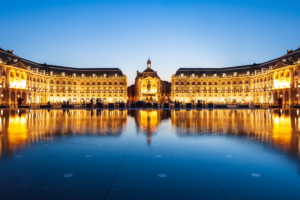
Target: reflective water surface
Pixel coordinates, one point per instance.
(149, 154)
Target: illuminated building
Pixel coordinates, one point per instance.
(147, 121)
(40, 83)
(258, 83)
(149, 87)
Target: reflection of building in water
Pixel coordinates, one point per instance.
(147, 121)
(278, 128)
(23, 128)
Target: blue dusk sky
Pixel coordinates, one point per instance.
(173, 33)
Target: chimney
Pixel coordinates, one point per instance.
(10, 51)
(289, 51)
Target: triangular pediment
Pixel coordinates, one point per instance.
(280, 65)
(20, 65)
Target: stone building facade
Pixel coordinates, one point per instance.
(149, 87)
(39, 83)
(268, 82)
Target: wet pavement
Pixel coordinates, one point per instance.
(149, 154)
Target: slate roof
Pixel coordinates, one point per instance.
(294, 55)
(4, 55)
(148, 70)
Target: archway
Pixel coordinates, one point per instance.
(275, 97)
(24, 97)
(3, 97)
(286, 97)
(13, 97)
(280, 95)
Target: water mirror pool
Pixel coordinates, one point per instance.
(149, 154)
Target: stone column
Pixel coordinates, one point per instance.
(291, 89)
(7, 86)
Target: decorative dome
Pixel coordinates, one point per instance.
(148, 61)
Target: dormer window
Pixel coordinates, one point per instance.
(204, 75)
(284, 60)
(215, 75)
(235, 74)
(51, 73)
(193, 75)
(182, 75)
(248, 73)
(104, 75)
(224, 75)
(74, 75)
(270, 67)
(116, 75)
(82, 75)
(94, 75)
(63, 74)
